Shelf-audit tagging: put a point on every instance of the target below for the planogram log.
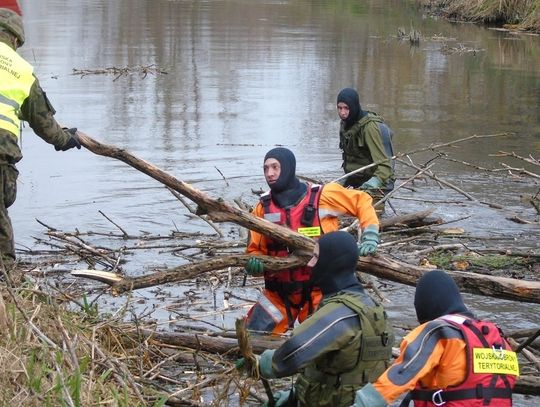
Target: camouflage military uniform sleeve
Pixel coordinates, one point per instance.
(39, 114)
(329, 329)
(374, 143)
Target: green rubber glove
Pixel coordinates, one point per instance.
(280, 398)
(372, 183)
(265, 364)
(254, 266)
(239, 364)
(369, 241)
(368, 396)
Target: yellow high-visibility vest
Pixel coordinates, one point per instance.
(16, 80)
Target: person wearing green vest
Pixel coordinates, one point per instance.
(364, 139)
(345, 344)
(21, 98)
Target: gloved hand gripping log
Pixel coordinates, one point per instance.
(251, 362)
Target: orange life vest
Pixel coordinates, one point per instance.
(302, 218)
(492, 370)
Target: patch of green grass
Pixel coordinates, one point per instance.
(446, 260)
(495, 261)
(441, 258)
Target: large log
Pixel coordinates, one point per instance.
(216, 344)
(404, 273)
(410, 219)
(191, 270)
(217, 209)
(491, 286)
(213, 344)
(379, 266)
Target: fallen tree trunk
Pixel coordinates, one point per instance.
(411, 220)
(491, 286)
(500, 287)
(528, 385)
(220, 210)
(216, 344)
(191, 270)
(213, 344)
(217, 209)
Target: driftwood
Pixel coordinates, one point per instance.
(250, 361)
(412, 220)
(218, 209)
(416, 219)
(525, 384)
(214, 344)
(192, 270)
(530, 335)
(500, 287)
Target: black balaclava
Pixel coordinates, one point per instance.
(436, 295)
(288, 189)
(350, 97)
(335, 269)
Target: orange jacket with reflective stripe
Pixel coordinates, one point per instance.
(334, 201)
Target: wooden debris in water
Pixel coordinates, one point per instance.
(192, 366)
(459, 49)
(144, 71)
(413, 35)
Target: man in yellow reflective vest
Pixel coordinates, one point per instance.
(21, 98)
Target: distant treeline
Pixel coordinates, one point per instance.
(515, 14)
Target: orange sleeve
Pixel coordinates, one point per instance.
(257, 242)
(338, 201)
(442, 364)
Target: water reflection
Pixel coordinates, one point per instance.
(245, 76)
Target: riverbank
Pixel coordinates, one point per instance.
(522, 15)
(51, 356)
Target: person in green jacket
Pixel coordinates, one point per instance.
(21, 98)
(345, 344)
(364, 139)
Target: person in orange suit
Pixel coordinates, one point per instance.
(289, 295)
(451, 359)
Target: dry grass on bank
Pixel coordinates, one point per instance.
(50, 356)
(521, 14)
(58, 350)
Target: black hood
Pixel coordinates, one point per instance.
(336, 266)
(436, 295)
(350, 97)
(288, 189)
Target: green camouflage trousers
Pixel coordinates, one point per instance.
(8, 193)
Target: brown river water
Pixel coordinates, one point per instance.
(244, 76)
